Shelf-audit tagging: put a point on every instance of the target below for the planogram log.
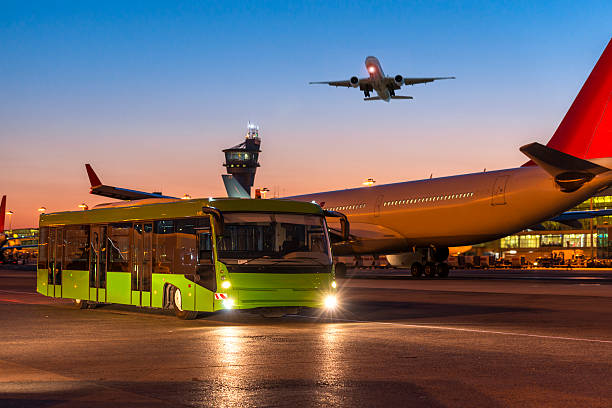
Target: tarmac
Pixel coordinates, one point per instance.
(480, 338)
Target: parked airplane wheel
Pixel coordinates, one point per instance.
(442, 270)
(177, 302)
(430, 269)
(416, 270)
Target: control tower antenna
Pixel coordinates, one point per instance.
(242, 160)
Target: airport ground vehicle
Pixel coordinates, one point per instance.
(201, 255)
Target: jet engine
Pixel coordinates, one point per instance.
(354, 82)
(399, 80)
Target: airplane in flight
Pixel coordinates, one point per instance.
(426, 217)
(384, 86)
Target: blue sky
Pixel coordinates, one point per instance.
(149, 92)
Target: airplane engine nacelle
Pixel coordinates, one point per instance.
(405, 259)
(354, 82)
(399, 79)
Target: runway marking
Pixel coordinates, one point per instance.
(459, 329)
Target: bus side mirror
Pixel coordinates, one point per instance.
(217, 218)
(345, 226)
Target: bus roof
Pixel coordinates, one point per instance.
(151, 209)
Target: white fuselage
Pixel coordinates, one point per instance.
(451, 211)
(377, 76)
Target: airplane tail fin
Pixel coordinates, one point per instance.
(2, 213)
(570, 172)
(586, 129)
(94, 180)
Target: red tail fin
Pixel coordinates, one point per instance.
(586, 129)
(93, 177)
(2, 213)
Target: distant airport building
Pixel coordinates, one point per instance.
(242, 161)
(18, 245)
(590, 238)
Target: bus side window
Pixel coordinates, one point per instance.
(118, 246)
(206, 267)
(185, 256)
(43, 247)
(164, 245)
(205, 255)
(77, 247)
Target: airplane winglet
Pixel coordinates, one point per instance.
(570, 172)
(93, 177)
(2, 213)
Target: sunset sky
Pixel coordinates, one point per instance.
(150, 92)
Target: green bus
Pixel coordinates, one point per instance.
(202, 255)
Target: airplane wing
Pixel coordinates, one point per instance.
(100, 189)
(414, 81)
(361, 82)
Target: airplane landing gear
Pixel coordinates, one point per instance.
(442, 270)
(366, 93)
(430, 270)
(416, 270)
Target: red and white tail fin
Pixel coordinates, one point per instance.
(2, 213)
(586, 129)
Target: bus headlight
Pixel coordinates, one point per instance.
(226, 284)
(334, 285)
(228, 303)
(330, 302)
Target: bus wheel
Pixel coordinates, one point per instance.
(430, 269)
(79, 303)
(442, 270)
(340, 270)
(177, 302)
(416, 270)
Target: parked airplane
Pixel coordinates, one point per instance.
(384, 86)
(429, 216)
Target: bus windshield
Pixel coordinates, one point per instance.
(262, 238)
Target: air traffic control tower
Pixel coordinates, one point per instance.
(241, 161)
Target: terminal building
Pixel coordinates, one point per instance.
(587, 237)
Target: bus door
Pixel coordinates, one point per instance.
(56, 251)
(142, 265)
(97, 263)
